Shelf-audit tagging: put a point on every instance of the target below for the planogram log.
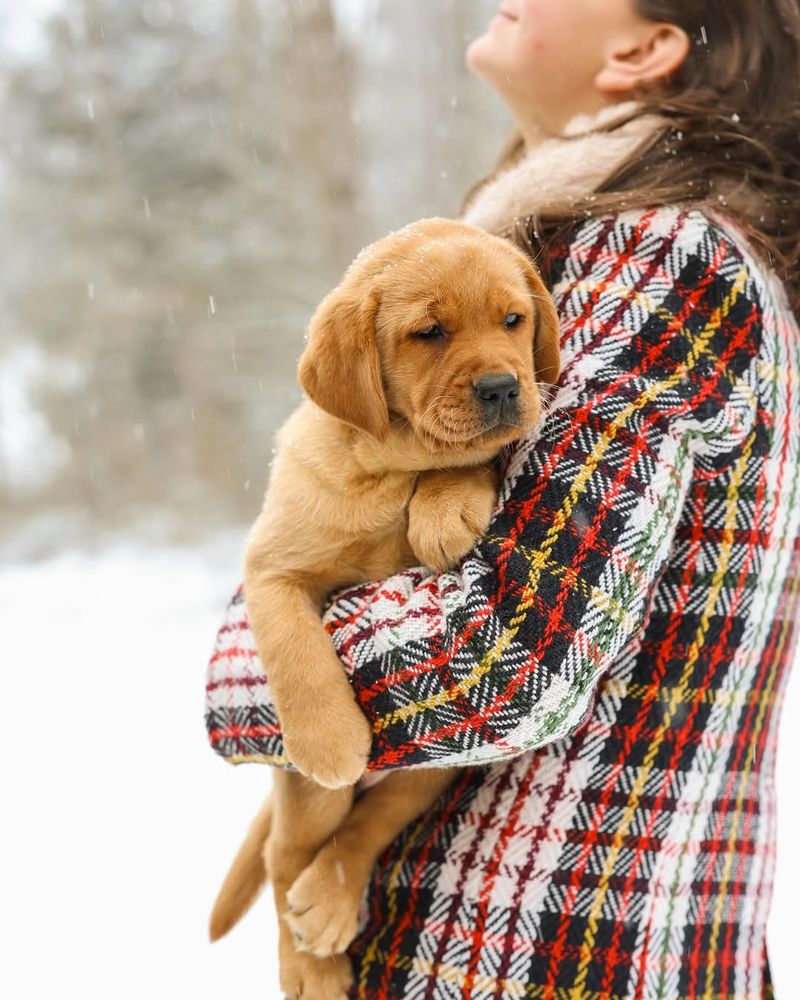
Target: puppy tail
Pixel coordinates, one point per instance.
(246, 876)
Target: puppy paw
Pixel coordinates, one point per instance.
(324, 902)
(331, 747)
(445, 520)
(305, 977)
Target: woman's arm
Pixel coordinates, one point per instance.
(660, 330)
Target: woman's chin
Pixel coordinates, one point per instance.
(487, 58)
(478, 56)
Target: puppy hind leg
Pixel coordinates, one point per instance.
(305, 815)
(326, 898)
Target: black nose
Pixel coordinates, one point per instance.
(496, 390)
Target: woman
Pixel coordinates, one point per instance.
(616, 648)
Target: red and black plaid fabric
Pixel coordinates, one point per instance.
(606, 666)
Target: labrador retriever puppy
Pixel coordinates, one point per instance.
(424, 363)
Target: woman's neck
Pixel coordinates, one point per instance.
(536, 129)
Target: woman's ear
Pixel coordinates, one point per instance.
(652, 54)
(340, 369)
(547, 335)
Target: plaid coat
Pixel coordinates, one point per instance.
(606, 666)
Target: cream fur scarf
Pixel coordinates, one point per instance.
(561, 171)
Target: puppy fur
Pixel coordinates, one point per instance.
(387, 463)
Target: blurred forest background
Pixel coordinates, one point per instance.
(181, 181)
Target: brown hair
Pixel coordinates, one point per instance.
(731, 139)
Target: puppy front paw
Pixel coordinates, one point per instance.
(330, 745)
(448, 514)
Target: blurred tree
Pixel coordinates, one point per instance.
(181, 183)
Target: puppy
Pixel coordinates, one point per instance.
(420, 367)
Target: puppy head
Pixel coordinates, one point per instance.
(443, 325)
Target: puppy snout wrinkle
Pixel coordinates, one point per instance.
(496, 391)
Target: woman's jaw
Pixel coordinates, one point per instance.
(550, 61)
(530, 57)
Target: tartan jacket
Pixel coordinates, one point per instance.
(606, 666)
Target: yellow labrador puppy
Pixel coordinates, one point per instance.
(420, 367)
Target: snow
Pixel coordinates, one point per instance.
(120, 821)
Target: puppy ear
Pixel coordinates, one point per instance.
(339, 369)
(547, 339)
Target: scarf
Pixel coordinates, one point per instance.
(560, 172)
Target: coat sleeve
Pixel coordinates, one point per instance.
(660, 333)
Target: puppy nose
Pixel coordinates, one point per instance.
(496, 390)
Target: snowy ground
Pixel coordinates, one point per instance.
(119, 821)
(123, 819)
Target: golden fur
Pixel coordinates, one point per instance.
(386, 464)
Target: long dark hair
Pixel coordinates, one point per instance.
(731, 139)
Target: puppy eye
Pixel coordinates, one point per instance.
(512, 320)
(429, 333)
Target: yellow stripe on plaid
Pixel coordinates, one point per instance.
(276, 759)
(617, 688)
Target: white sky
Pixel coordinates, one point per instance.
(21, 25)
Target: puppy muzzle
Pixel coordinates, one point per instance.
(498, 398)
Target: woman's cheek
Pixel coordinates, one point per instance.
(551, 29)
(531, 44)
(532, 60)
